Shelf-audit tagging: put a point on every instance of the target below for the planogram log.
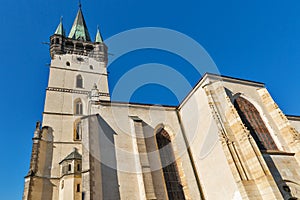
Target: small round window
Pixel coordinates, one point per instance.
(68, 63)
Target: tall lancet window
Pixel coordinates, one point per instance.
(255, 124)
(78, 107)
(79, 81)
(169, 166)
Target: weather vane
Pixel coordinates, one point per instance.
(79, 3)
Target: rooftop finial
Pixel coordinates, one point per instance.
(61, 19)
(79, 4)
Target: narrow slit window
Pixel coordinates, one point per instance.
(78, 131)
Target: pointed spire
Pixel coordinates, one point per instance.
(60, 28)
(79, 29)
(98, 38)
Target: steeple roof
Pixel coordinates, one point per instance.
(60, 28)
(79, 30)
(98, 38)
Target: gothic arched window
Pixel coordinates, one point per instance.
(255, 124)
(169, 166)
(79, 81)
(78, 107)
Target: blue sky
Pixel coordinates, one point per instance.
(257, 40)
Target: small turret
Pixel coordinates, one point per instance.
(57, 40)
(70, 180)
(60, 29)
(98, 38)
(71, 164)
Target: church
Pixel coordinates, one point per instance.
(227, 139)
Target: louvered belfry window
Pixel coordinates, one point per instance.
(253, 121)
(169, 166)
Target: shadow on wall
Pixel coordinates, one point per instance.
(104, 178)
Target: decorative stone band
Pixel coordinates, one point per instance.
(74, 91)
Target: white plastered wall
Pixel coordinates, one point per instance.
(210, 160)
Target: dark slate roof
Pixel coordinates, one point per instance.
(72, 156)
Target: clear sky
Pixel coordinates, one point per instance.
(257, 40)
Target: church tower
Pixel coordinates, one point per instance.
(78, 64)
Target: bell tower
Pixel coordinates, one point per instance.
(78, 66)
